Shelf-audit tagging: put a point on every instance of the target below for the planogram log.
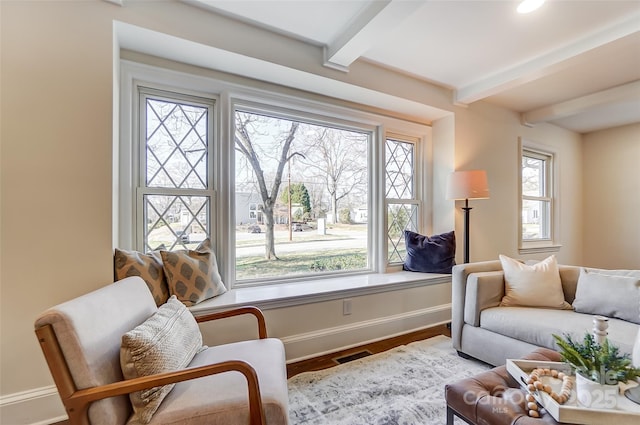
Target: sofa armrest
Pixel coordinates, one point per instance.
(484, 290)
(460, 273)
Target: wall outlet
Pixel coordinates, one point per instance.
(346, 307)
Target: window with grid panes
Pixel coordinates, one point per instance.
(175, 192)
(402, 205)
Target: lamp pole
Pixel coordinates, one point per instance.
(466, 210)
(471, 184)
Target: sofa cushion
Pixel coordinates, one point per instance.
(429, 254)
(165, 342)
(147, 266)
(536, 285)
(537, 325)
(608, 295)
(192, 275)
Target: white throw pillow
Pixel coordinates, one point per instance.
(165, 342)
(536, 285)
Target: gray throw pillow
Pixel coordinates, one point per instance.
(610, 295)
(165, 342)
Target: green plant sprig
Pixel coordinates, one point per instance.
(601, 363)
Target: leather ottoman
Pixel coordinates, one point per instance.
(494, 397)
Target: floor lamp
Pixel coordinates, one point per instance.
(467, 185)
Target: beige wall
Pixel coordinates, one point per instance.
(487, 138)
(56, 170)
(612, 198)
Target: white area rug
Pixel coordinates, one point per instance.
(403, 386)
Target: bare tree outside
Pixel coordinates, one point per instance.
(338, 162)
(329, 165)
(249, 136)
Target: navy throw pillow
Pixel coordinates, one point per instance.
(430, 254)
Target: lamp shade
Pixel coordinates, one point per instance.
(470, 184)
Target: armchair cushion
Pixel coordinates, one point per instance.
(89, 330)
(194, 402)
(165, 342)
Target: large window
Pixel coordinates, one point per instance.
(311, 182)
(286, 189)
(537, 196)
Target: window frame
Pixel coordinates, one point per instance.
(415, 200)
(312, 117)
(142, 189)
(551, 195)
(226, 93)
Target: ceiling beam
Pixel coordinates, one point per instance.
(368, 29)
(624, 93)
(545, 64)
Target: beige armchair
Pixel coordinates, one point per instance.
(236, 383)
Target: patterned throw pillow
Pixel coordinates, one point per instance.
(192, 275)
(147, 266)
(165, 342)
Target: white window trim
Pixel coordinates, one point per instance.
(142, 188)
(311, 116)
(224, 93)
(544, 245)
(421, 183)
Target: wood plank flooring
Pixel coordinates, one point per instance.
(329, 360)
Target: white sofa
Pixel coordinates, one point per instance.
(482, 329)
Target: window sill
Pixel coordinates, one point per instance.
(291, 294)
(534, 249)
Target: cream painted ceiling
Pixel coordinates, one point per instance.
(574, 63)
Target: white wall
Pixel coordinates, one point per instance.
(57, 69)
(612, 198)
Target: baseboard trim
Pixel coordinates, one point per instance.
(317, 343)
(37, 406)
(28, 395)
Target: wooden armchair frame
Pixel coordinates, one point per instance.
(77, 401)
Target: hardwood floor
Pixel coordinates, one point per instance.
(329, 360)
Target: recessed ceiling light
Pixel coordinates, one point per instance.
(527, 6)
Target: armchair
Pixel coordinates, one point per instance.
(236, 383)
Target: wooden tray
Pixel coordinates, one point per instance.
(626, 412)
